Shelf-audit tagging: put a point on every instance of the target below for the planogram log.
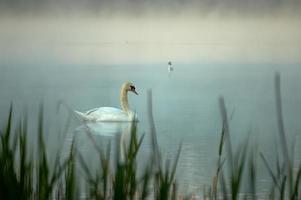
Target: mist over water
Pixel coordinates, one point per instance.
(92, 40)
(103, 31)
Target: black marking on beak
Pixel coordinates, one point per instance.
(133, 89)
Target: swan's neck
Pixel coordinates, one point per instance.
(124, 100)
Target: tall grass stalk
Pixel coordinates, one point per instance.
(164, 183)
(12, 186)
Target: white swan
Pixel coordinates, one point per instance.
(110, 114)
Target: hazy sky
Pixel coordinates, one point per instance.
(142, 7)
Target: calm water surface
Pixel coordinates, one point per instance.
(185, 107)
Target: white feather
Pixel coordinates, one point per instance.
(107, 114)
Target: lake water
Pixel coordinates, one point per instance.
(185, 107)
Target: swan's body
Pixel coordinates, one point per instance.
(107, 114)
(111, 114)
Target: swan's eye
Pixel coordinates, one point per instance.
(132, 87)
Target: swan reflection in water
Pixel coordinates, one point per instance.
(91, 135)
(107, 129)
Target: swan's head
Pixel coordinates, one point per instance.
(129, 87)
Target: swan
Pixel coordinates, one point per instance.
(111, 114)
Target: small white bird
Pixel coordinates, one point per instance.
(170, 68)
(111, 114)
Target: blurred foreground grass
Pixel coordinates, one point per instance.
(24, 175)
